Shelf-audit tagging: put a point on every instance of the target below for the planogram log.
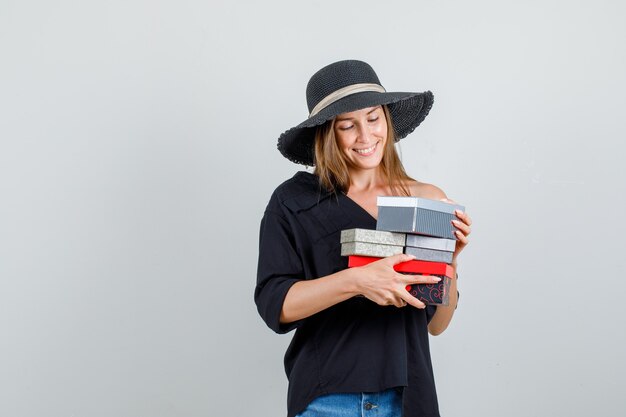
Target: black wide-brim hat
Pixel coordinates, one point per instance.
(346, 86)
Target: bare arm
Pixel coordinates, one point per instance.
(377, 281)
(308, 297)
(443, 315)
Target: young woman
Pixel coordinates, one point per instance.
(361, 341)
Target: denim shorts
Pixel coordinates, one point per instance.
(361, 404)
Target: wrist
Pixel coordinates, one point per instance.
(350, 281)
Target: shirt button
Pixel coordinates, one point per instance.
(369, 406)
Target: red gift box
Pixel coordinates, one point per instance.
(437, 293)
(414, 267)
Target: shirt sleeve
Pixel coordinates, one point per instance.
(279, 267)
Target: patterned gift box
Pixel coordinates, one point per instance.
(437, 294)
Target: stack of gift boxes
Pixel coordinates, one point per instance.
(415, 226)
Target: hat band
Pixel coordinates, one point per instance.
(344, 92)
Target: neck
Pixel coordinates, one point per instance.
(364, 180)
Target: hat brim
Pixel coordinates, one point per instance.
(407, 111)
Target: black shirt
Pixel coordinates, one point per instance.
(353, 346)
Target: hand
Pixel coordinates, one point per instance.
(379, 282)
(463, 230)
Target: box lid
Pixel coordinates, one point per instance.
(413, 267)
(429, 242)
(373, 236)
(425, 203)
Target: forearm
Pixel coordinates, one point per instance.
(308, 297)
(443, 315)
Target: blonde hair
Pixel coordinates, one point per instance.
(331, 166)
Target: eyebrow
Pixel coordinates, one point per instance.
(340, 119)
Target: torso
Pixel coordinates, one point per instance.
(355, 345)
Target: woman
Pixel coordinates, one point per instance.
(361, 344)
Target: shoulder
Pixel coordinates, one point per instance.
(301, 182)
(425, 190)
(302, 185)
(301, 191)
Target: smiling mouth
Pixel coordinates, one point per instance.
(366, 151)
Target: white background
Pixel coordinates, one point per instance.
(138, 151)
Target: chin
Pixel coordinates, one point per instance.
(373, 164)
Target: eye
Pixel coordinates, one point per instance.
(345, 127)
(373, 120)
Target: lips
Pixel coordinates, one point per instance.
(366, 151)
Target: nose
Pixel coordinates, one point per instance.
(364, 134)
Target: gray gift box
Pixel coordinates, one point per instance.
(366, 242)
(416, 215)
(369, 249)
(428, 242)
(373, 236)
(431, 255)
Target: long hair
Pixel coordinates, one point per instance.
(331, 166)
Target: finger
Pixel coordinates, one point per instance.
(409, 299)
(398, 259)
(400, 303)
(462, 227)
(462, 238)
(395, 300)
(463, 216)
(420, 279)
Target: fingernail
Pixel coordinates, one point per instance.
(436, 279)
(458, 212)
(456, 222)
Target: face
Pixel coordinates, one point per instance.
(361, 137)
